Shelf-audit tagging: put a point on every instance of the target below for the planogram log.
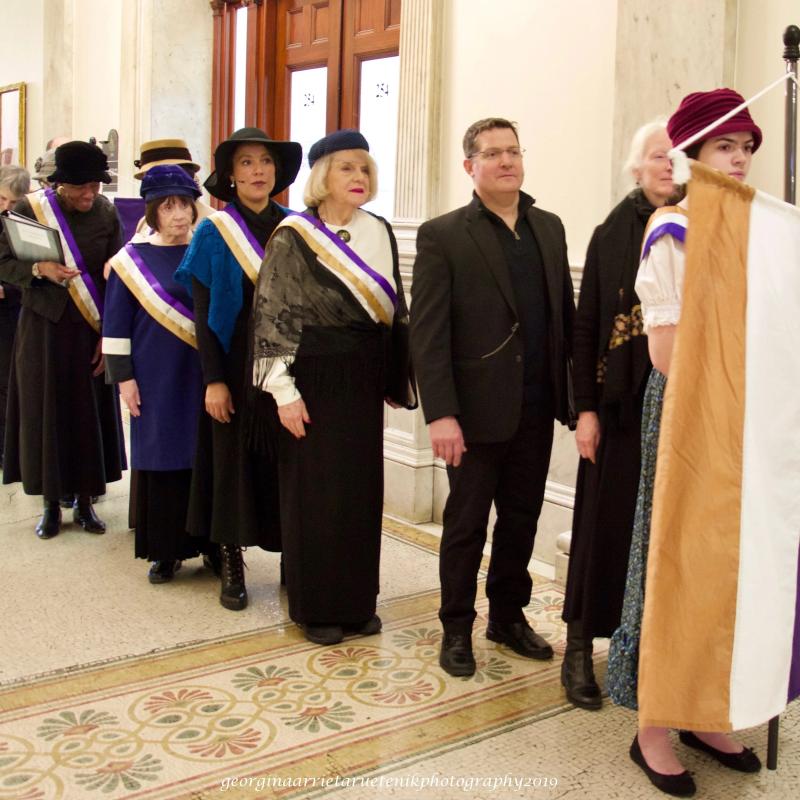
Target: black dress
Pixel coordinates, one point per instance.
(610, 371)
(234, 496)
(63, 426)
(331, 482)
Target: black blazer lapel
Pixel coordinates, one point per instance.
(480, 229)
(553, 263)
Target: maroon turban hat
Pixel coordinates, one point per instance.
(699, 109)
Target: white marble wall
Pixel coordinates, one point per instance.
(665, 50)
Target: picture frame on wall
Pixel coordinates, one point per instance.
(12, 124)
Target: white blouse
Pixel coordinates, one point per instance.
(659, 282)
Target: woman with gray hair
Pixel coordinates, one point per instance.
(15, 183)
(610, 371)
(330, 345)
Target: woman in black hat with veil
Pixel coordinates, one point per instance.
(63, 427)
(234, 489)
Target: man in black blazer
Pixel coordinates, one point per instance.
(491, 326)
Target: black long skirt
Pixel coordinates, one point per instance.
(605, 502)
(162, 498)
(331, 482)
(234, 497)
(63, 426)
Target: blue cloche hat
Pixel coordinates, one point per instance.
(167, 180)
(347, 139)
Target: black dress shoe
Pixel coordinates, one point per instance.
(681, 785)
(372, 626)
(746, 761)
(521, 638)
(163, 571)
(83, 514)
(323, 634)
(455, 657)
(50, 523)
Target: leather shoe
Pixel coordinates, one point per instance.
(50, 523)
(372, 626)
(455, 657)
(163, 571)
(577, 670)
(746, 761)
(84, 515)
(521, 638)
(323, 634)
(681, 785)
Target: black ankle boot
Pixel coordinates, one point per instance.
(577, 671)
(234, 594)
(83, 514)
(50, 523)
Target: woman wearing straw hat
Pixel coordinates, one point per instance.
(63, 428)
(729, 148)
(234, 499)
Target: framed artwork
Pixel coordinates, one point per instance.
(12, 124)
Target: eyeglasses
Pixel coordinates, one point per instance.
(494, 153)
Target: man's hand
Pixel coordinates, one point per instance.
(219, 403)
(294, 417)
(447, 440)
(587, 434)
(55, 272)
(98, 359)
(129, 392)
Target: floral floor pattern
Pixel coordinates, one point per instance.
(267, 714)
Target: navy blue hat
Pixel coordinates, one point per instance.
(347, 139)
(167, 180)
(80, 162)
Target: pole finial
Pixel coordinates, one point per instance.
(791, 41)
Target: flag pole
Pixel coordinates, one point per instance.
(791, 54)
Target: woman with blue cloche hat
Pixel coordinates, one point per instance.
(150, 347)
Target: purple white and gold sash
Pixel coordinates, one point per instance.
(669, 220)
(82, 288)
(153, 297)
(371, 289)
(240, 240)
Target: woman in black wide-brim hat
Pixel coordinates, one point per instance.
(234, 499)
(63, 429)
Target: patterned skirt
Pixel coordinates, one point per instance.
(623, 656)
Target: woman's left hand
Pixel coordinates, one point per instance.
(129, 392)
(99, 359)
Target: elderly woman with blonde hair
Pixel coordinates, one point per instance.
(330, 345)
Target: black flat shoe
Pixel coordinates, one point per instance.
(521, 638)
(84, 515)
(50, 523)
(323, 634)
(372, 626)
(681, 785)
(456, 657)
(746, 761)
(163, 571)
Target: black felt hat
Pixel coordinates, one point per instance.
(345, 139)
(288, 157)
(79, 163)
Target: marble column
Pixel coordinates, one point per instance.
(408, 458)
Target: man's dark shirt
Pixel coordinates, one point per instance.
(526, 269)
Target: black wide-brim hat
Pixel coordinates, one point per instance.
(79, 163)
(288, 158)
